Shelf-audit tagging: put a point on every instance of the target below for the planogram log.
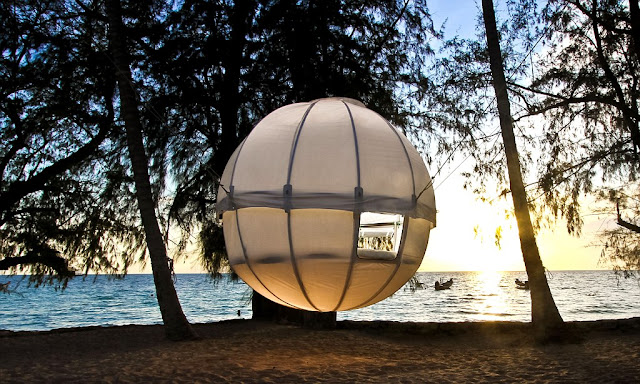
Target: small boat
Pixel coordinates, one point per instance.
(441, 286)
(522, 285)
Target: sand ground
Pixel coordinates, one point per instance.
(246, 351)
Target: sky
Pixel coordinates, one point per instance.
(455, 245)
(464, 239)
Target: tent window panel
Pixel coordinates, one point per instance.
(379, 236)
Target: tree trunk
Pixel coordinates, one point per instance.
(239, 22)
(634, 16)
(240, 19)
(266, 310)
(544, 313)
(176, 325)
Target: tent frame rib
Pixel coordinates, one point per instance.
(233, 173)
(244, 248)
(406, 154)
(358, 195)
(288, 192)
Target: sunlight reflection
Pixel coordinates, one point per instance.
(491, 304)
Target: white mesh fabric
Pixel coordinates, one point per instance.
(264, 159)
(322, 243)
(381, 153)
(367, 278)
(325, 160)
(323, 168)
(289, 194)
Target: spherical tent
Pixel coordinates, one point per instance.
(326, 207)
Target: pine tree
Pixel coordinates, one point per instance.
(544, 314)
(176, 325)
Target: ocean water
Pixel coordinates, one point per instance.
(474, 296)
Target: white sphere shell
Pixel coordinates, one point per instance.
(293, 198)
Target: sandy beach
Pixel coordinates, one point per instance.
(244, 351)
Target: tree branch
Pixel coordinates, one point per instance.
(607, 25)
(565, 101)
(626, 224)
(633, 127)
(20, 189)
(50, 258)
(16, 145)
(385, 39)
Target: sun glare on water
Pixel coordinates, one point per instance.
(492, 303)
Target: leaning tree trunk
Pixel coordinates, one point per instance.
(544, 313)
(176, 325)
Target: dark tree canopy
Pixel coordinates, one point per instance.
(205, 73)
(218, 82)
(585, 89)
(572, 70)
(59, 153)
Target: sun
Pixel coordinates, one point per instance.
(473, 236)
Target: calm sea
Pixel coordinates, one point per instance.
(475, 296)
